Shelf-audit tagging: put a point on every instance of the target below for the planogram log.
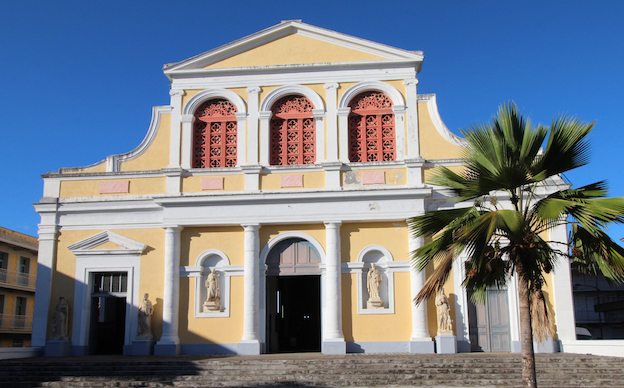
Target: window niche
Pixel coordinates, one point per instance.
(208, 260)
(381, 257)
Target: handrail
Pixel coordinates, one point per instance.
(17, 278)
(16, 322)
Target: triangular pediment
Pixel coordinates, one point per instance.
(293, 43)
(107, 242)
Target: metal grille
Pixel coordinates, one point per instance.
(214, 135)
(293, 132)
(371, 128)
(109, 282)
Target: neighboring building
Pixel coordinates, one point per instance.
(289, 162)
(599, 306)
(18, 267)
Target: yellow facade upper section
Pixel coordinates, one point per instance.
(294, 49)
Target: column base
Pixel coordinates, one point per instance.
(143, 347)
(166, 349)
(334, 347)
(446, 344)
(58, 349)
(422, 346)
(248, 348)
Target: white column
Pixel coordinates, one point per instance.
(343, 133)
(331, 119)
(319, 130)
(174, 146)
(187, 140)
(250, 343)
(252, 125)
(46, 261)
(399, 125)
(265, 120)
(411, 98)
(333, 339)
(420, 340)
(170, 341)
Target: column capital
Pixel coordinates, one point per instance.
(251, 227)
(177, 92)
(173, 228)
(343, 111)
(335, 224)
(331, 85)
(254, 89)
(48, 232)
(318, 113)
(410, 82)
(265, 115)
(398, 109)
(187, 118)
(241, 116)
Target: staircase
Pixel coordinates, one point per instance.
(311, 369)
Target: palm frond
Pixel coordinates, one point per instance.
(436, 281)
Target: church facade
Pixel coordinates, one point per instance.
(265, 211)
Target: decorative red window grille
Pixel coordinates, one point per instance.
(214, 135)
(292, 132)
(371, 128)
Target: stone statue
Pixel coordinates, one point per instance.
(60, 320)
(213, 292)
(144, 324)
(445, 323)
(373, 281)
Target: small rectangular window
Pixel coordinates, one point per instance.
(105, 282)
(24, 265)
(20, 306)
(1, 304)
(4, 258)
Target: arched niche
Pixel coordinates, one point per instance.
(381, 257)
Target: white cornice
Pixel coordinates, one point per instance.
(86, 246)
(287, 28)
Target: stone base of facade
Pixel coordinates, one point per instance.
(446, 344)
(166, 349)
(143, 347)
(463, 347)
(422, 347)
(334, 347)
(58, 349)
(249, 348)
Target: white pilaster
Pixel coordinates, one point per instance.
(252, 124)
(343, 133)
(250, 343)
(333, 339)
(319, 127)
(176, 109)
(241, 138)
(420, 340)
(399, 130)
(187, 140)
(265, 121)
(331, 121)
(414, 171)
(562, 287)
(169, 343)
(46, 261)
(411, 98)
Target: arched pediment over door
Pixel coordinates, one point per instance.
(293, 256)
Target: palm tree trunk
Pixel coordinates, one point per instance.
(529, 379)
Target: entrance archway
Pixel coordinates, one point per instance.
(293, 297)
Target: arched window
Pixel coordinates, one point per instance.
(292, 131)
(214, 134)
(371, 128)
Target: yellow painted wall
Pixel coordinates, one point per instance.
(157, 155)
(357, 236)
(432, 144)
(311, 180)
(227, 239)
(428, 172)
(293, 49)
(151, 276)
(192, 184)
(91, 188)
(377, 327)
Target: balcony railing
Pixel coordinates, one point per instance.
(17, 278)
(12, 322)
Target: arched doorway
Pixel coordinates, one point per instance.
(293, 297)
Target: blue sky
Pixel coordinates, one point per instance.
(78, 79)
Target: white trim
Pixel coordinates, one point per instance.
(439, 125)
(387, 287)
(286, 235)
(285, 90)
(85, 247)
(360, 87)
(211, 93)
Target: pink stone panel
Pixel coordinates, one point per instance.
(373, 177)
(292, 180)
(113, 187)
(212, 183)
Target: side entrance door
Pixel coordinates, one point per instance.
(108, 313)
(489, 323)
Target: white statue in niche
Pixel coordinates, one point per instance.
(144, 329)
(373, 282)
(60, 318)
(445, 323)
(213, 292)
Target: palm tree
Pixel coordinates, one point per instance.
(510, 196)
